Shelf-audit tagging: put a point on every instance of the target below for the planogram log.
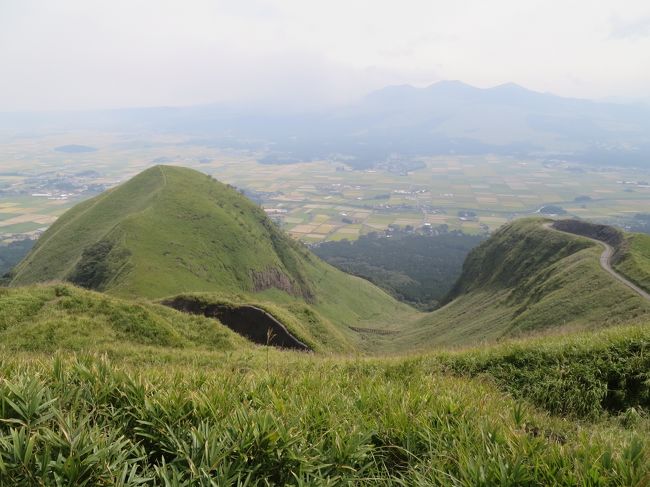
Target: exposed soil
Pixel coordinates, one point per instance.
(253, 323)
(272, 277)
(275, 278)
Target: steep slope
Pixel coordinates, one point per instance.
(616, 249)
(526, 279)
(634, 261)
(172, 230)
(166, 230)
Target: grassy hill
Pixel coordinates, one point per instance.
(114, 388)
(166, 230)
(171, 230)
(526, 279)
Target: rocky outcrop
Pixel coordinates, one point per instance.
(273, 277)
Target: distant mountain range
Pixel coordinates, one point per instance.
(451, 117)
(400, 122)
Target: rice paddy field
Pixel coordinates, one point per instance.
(322, 200)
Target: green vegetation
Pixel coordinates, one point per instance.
(515, 255)
(183, 231)
(526, 279)
(63, 317)
(172, 230)
(291, 419)
(98, 389)
(12, 253)
(635, 259)
(418, 269)
(585, 375)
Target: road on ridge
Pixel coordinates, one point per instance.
(605, 262)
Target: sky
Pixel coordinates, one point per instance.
(88, 54)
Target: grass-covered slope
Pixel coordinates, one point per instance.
(585, 375)
(292, 419)
(634, 261)
(526, 279)
(45, 318)
(167, 230)
(172, 230)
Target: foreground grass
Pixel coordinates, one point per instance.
(275, 419)
(586, 375)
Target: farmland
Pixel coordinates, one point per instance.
(320, 200)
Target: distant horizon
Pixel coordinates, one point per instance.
(262, 105)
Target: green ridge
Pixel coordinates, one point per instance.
(172, 230)
(634, 262)
(526, 279)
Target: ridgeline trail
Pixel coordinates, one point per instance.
(605, 261)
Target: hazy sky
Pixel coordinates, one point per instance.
(70, 54)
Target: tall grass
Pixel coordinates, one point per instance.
(83, 420)
(585, 375)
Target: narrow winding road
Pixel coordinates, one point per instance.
(605, 262)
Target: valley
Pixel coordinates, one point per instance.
(175, 233)
(324, 244)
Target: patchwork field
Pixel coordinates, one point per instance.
(316, 201)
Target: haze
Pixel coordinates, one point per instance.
(75, 54)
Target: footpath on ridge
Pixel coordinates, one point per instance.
(605, 260)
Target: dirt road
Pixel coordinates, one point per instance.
(605, 262)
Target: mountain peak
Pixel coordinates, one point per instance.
(452, 87)
(166, 230)
(170, 231)
(451, 83)
(510, 86)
